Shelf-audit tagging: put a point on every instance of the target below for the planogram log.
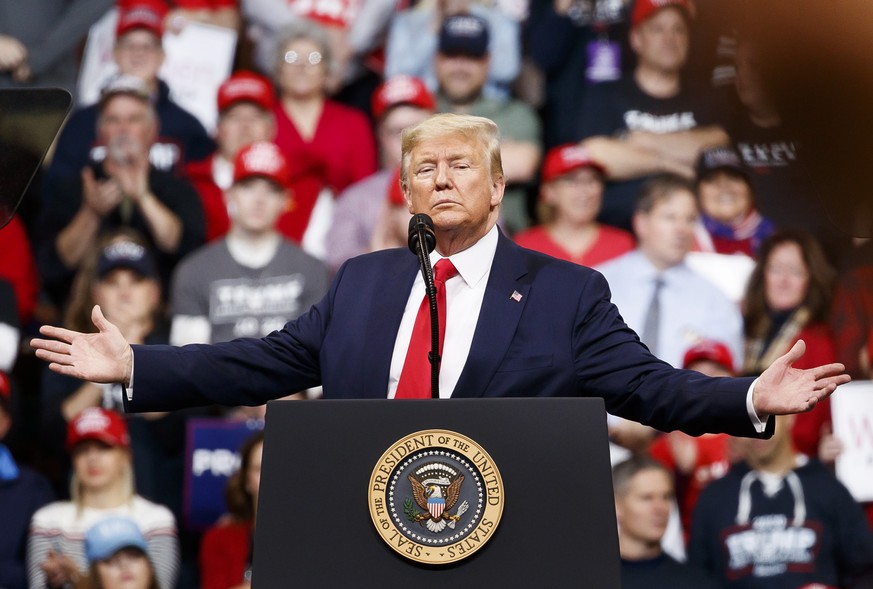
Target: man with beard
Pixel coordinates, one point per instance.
(461, 63)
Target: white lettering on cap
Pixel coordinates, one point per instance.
(91, 421)
(465, 27)
(262, 157)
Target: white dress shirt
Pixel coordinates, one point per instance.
(464, 295)
(692, 308)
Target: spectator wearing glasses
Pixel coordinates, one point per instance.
(329, 145)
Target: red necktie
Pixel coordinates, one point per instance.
(415, 377)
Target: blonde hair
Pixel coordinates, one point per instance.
(128, 485)
(478, 130)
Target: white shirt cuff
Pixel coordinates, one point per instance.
(759, 425)
(129, 387)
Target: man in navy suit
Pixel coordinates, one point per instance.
(518, 324)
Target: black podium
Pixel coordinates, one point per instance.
(557, 527)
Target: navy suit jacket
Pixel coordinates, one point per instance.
(562, 338)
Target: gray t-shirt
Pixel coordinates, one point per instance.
(241, 301)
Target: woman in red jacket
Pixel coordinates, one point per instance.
(787, 299)
(226, 550)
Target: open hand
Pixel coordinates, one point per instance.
(782, 389)
(103, 357)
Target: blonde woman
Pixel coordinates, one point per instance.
(102, 485)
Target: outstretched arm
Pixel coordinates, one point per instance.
(783, 389)
(104, 357)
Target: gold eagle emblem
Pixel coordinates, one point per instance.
(436, 494)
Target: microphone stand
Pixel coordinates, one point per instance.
(422, 241)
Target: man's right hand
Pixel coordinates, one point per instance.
(103, 357)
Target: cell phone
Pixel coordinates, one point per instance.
(97, 169)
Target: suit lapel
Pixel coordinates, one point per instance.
(505, 299)
(383, 321)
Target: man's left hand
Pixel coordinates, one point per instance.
(783, 389)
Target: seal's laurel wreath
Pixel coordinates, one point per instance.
(436, 496)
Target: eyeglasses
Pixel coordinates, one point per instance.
(293, 58)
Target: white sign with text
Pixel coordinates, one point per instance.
(852, 410)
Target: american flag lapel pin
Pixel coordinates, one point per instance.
(515, 296)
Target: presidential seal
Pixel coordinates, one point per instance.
(436, 497)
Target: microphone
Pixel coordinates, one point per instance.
(421, 233)
(422, 241)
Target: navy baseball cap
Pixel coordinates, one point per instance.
(718, 159)
(464, 34)
(126, 254)
(110, 535)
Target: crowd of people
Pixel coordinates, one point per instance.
(638, 137)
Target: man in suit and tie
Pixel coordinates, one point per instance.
(518, 323)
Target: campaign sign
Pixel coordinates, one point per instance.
(852, 411)
(211, 456)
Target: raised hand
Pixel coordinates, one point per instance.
(103, 357)
(783, 389)
(100, 196)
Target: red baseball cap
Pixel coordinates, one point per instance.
(401, 90)
(246, 86)
(5, 390)
(643, 9)
(870, 346)
(141, 14)
(712, 351)
(563, 159)
(395, 192)
(262, 159)
(97, 423)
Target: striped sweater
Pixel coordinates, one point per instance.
(61, 527)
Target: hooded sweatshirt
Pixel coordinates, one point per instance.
(802, 530)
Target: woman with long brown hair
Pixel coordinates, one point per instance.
(788, 299)
(226, 550)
